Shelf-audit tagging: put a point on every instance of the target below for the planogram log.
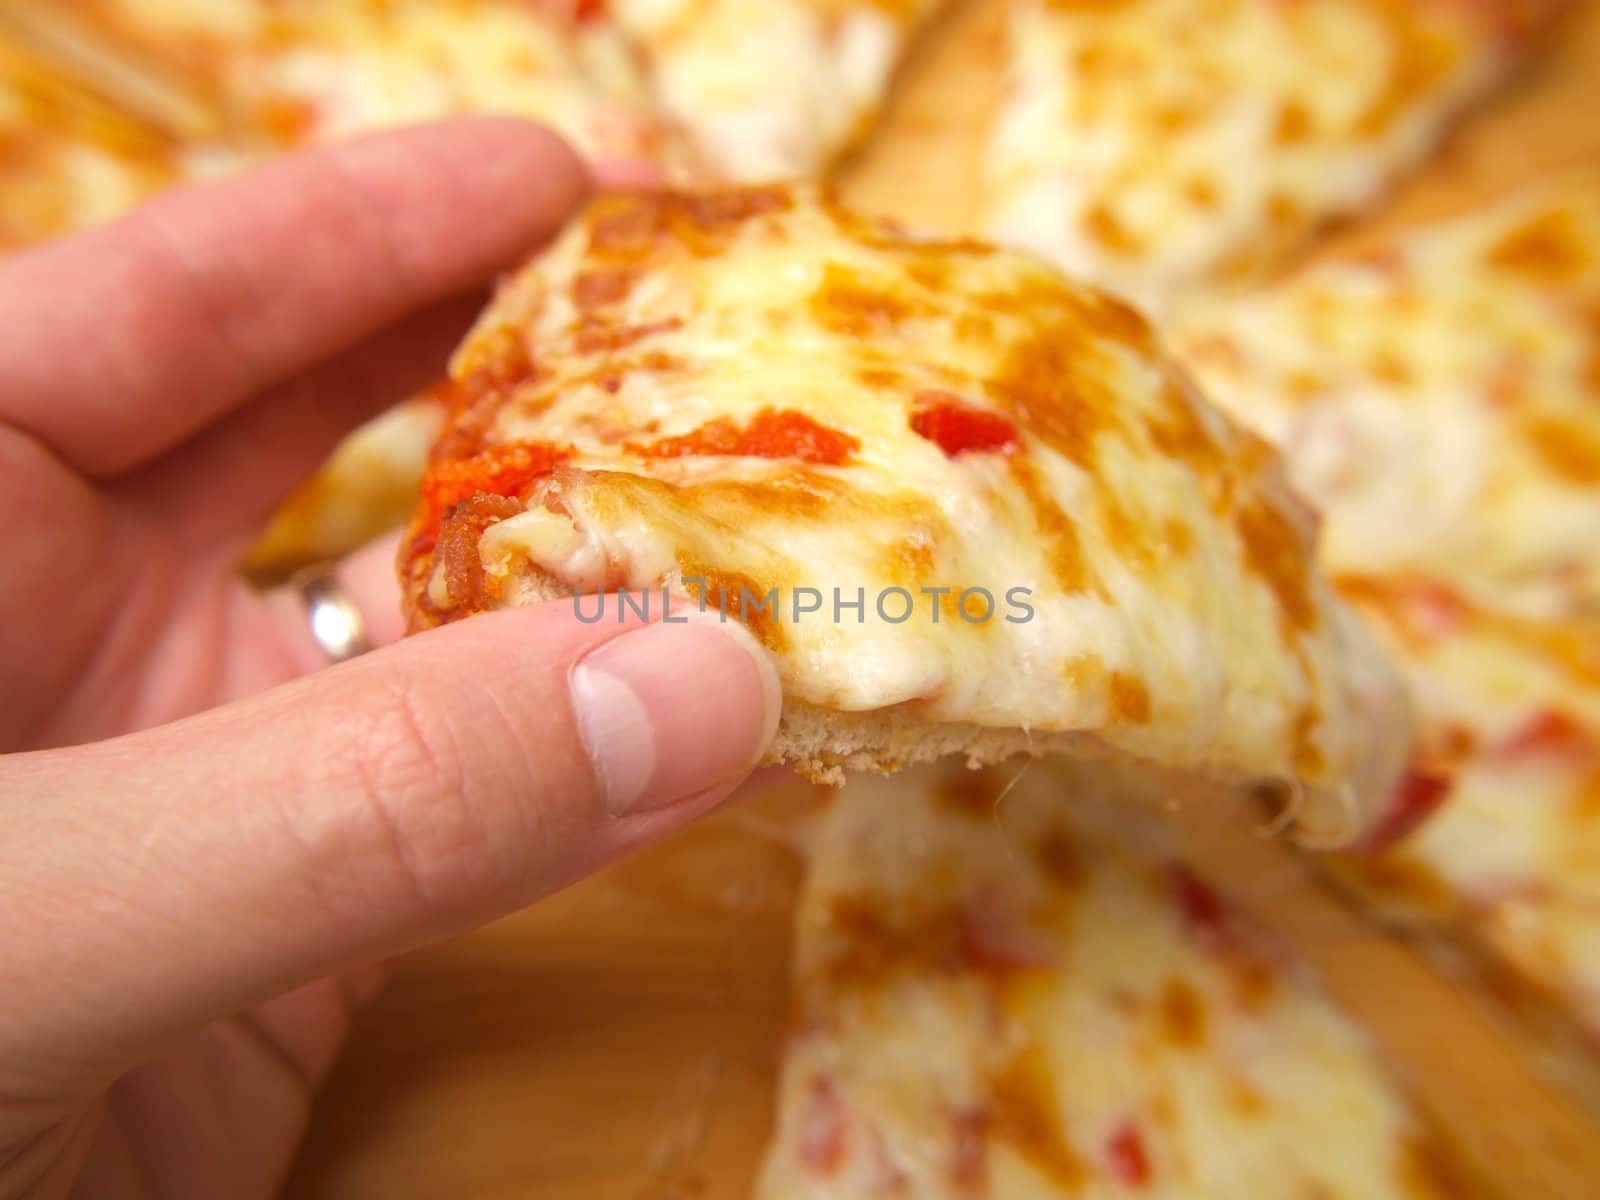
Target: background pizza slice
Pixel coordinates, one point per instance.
(71, 155)
(1165, 147)
(272, 76)
(285, 73)
(1506, 867)
(968, 506)
(773, 89)
(1012, 987)
(1438, 397)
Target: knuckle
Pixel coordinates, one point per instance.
(416, 824)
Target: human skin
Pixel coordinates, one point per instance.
(209, 837)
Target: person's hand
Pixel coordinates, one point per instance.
(204, 844)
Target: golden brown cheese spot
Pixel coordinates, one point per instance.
(1422, 57)
(1180, 434)
(1571, 449)
(910, 560)
(799, 493)
(1591, 369)
(1055, 530)
(1294, 124)
(1179, 537)
(884, 378)
(1548, 248)
(1101, 224)
(1025, 1115)
(1053, 394)
(500, 369)
(1304, 385)
(1252, 981)
(609, 374)
(288, 120)
(879, 938)
(1172, 118)
(1124, 532)
(1585, 802)
(1086, 673)
(850, 304)
(931, 273)
(1183, 1014)
(1388, 366)
(1573, 647)
(1130, 699)
(1245, 1100)
(1308, 758)
(633, 227)
(1284, 212)
(1202, 193)
(602, 287)
(975, 327)
(874, 946)
(1276, 553)
(737, 596)
(600, 337)
(784, 435)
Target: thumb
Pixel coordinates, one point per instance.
(159, 880)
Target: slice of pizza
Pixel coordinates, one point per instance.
(1508, 865)
(69, 155)
(367, 487)
(289, 72)
(968, 505)
(1160, 147)
(772, 89)
(1438, 397)
(1006, 987)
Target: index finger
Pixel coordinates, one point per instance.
(124, 342)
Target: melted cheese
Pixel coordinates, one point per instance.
(1439, 398)
(1511, 719)
(68, 156)
(1015, 991)
(1174, 612)
(292, 71)
(367, 486)
(1159, 146)
(772, 89)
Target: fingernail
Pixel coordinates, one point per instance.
(668, 712)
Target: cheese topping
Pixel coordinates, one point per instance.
(774, 89)
(1012, 988)
(754, 391)
(291, 71)
(68, 156)
(1439, 397)
(1158, 145)
(1511, 730)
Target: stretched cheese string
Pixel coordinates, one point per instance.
(1341, 838)
(1289, 814)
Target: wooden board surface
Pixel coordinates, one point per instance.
(619, 1042)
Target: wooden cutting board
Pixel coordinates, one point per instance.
(619, 1042)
